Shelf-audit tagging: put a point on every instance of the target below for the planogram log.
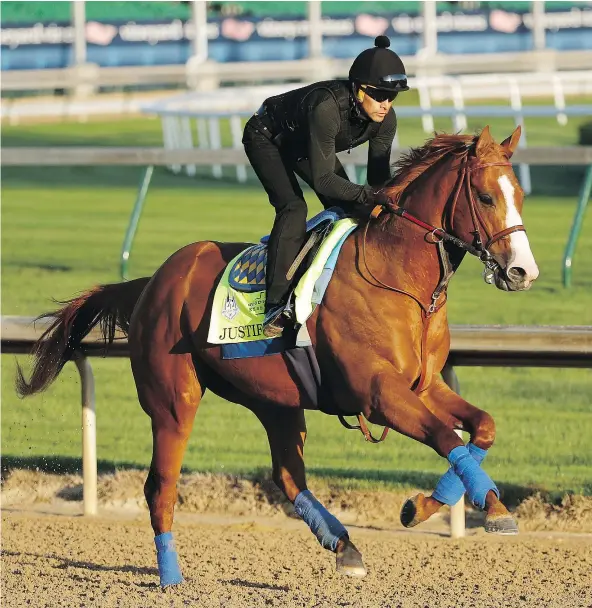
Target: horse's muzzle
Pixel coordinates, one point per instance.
(515, 279)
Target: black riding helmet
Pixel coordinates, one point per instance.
(379, 67)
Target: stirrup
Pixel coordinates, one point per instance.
(275, 321)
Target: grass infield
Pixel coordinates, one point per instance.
(62, 230)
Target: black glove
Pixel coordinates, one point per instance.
(380, 197)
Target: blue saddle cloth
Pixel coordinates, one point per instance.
(248, 272)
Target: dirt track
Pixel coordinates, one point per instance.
(66, 560)
(240, 547)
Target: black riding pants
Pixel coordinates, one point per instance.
(278, 173)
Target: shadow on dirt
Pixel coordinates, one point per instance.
(241, 583)
(65, 564)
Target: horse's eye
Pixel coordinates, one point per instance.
(485, 199)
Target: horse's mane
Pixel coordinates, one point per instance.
(418, 160)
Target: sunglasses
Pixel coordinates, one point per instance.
(379, 95)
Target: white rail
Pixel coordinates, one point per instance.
(90, 156)
(213, 74)
(545, 346)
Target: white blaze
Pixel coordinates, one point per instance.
(520, 253)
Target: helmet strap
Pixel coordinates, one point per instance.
(360, 94)
(357, 98)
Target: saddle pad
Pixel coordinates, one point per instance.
(248, 272)
(237, 315)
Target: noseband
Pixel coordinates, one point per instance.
(469, 165)
(440, 235)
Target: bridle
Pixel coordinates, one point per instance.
(439, 235)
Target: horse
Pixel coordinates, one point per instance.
(380, 335)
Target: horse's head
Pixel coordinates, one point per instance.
(488, 211)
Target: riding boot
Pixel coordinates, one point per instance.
(285, 241)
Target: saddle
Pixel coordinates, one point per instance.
(248, 271)
(238, 309)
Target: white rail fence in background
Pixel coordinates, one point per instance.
(194, 120)
(511, 88)
(180, 155)
(185, 130)
(80, 156)
(471, 345)
(210, 74)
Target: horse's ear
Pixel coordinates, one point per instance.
(511, 143)
(484, 141)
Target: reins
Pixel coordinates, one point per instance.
(439, 237)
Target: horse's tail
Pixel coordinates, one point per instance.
(109, 306)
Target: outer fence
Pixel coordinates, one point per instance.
(210, 74)
(458, 90)
(471, 345)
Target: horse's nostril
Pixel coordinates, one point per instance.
(516, 273)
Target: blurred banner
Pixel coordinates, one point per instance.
(118, 43)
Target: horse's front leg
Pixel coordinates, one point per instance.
(394, 405)
(455, 412)
(286, 431)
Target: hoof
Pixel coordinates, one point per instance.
(409, 516)
(170, 579)
(171, 583)
(501, 524)
(349, 559)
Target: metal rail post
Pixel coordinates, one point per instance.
(315, 32)
(134, 219)
(89, 435)
(78, 12)
(576, 226)
(457, 511)
(429, 36)
(538, 25)
(199, 18)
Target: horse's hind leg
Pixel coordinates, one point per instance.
(286, 431)
(454, 411)
(169, 392)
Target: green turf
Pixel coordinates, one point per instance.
(62, 233)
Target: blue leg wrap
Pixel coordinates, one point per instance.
(326, 527)
(168, 566)
(475, 480)
(449, 490)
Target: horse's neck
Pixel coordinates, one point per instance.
(428, 199)
(403, 252)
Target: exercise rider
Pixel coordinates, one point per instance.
(299, 133)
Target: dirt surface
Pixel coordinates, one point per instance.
(252, 553)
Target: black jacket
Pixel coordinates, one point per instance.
(316, 121)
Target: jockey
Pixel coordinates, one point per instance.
(298, 134)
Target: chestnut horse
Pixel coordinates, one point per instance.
(381, 338)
